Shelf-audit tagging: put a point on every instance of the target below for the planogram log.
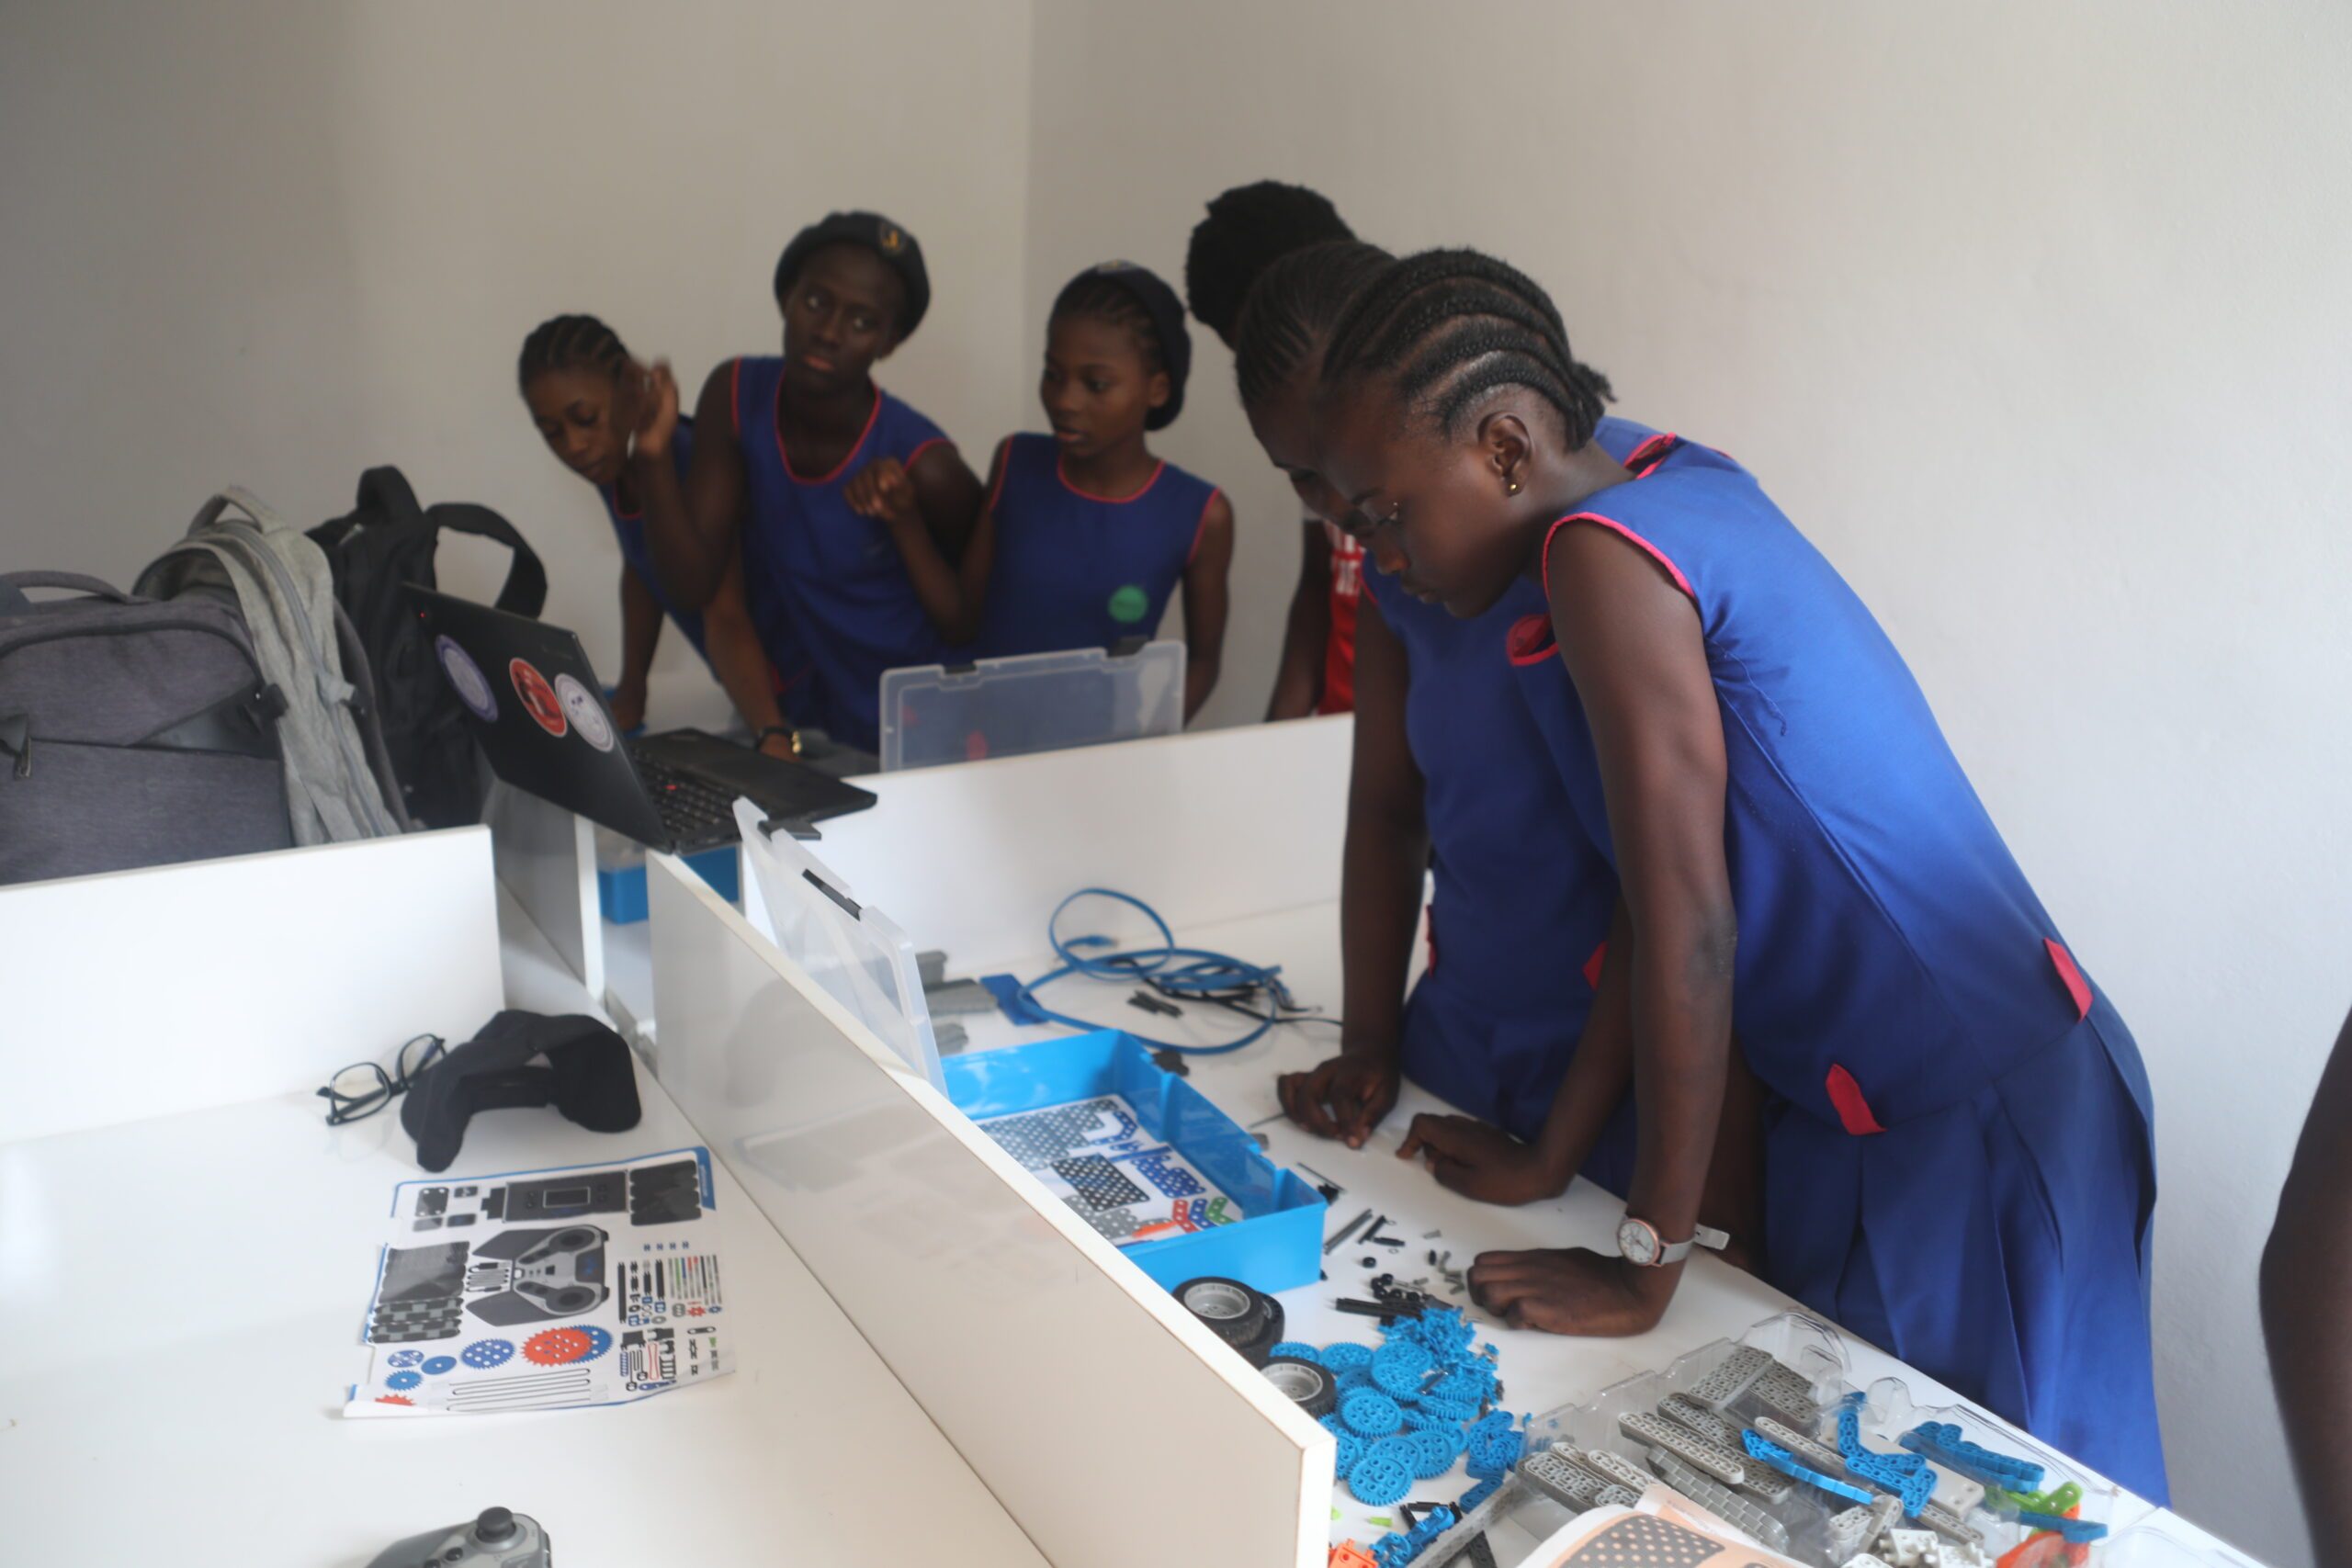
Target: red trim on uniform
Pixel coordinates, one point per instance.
(612, 494)
(2076, 986)
(1530, 640)
(840, 468)
(1650, 454)
(921, 446)
(1592, 965)
(1852, 1109)
(735, 397)
(1631, 537)
(1158, 469)
(1003, 470)
(778, 685)
(1202, 522)
(1430, 936)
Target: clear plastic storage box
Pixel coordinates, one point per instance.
(1038, 702)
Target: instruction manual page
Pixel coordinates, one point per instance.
(588, 1284)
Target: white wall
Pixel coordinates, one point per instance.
(2035, 318)
(277, 243)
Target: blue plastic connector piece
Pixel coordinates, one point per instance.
(1780, 1459)
(1346, 1356)
(1471, 1383)
(1493, 1453)
(1297, 1350)
(1380, 1479)
(2076, 1532)
(1370, 1413)
(1392, 1551)
(1455, 1410)
(1907, 1475)
(1942, 1442)
(1478, 1494)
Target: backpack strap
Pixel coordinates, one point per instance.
(526, 592)
(13, 583)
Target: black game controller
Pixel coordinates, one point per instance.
(554, 1273)
(495, 1539)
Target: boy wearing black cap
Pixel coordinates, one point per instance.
(1085, 533)
(803, 474)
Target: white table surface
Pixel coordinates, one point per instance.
(1540, 1372)
(180, 1303)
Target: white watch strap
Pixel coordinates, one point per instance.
(1707, 1237)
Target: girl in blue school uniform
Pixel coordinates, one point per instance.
(816, 477)
(591, 401)
(1085, 533)
(1959, 1154)
(1513, 958)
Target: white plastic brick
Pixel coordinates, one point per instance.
(1732, 1377)
(1911, 1549)
(1722, 1501)
(1656, 1431)
(1956, 1491)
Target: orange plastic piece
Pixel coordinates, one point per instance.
(1348, 1554)
(2041, 1550)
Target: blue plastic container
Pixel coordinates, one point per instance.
(620, 891)
(1278, 1244)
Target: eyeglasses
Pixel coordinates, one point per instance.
(360, 1091)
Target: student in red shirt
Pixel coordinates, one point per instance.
(1247, 227)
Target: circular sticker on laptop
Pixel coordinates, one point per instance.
(587, 715)
(538, 698)
(466, 679)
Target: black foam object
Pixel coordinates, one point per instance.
(587, 1076)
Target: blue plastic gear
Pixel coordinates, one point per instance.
(1297, 1350)
(1435, 1448)
(1353, 1377)
(402, 1382)
(484, 1354)
(599, 1340)
(1380, 1479)
(1493, 1453)
(1399, 1367)
(1352, 1447)
(1345, 1355)
(1455, 1410)
(405, 1358)
(439, 1366)
(1370, 1413)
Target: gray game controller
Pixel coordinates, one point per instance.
(495, 1539)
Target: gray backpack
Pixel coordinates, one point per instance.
(141, 730)
(339, 783)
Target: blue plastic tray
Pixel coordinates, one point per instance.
(620, 892)
(1279, 1242)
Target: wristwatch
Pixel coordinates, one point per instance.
(788, 731)
(1638, 1242)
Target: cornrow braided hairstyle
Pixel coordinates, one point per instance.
(1246, 230)
(1290, 309)
(1451, 326)
(1098, 297)
(570, 343)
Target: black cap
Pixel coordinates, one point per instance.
(1167, 313)
(876, 233)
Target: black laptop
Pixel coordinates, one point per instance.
(540, 715)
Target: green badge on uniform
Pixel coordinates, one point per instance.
(1128, 604)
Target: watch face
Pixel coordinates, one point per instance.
(1637, 1242)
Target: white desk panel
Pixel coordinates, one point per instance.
(180, 1304)
(1111, 1425)
(151, 992)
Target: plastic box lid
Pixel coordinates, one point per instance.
(857, 953)
(1036, 702)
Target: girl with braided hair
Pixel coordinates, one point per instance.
(1959, 1163)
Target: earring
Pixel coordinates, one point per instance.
(1511, 488)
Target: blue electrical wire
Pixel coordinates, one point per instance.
(1176, 971)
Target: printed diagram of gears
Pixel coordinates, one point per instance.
(439, 1366)
(484, 1354)
(404, 1358)
(561, 1347)
(403, 1380)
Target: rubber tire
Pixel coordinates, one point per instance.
(1323, 1394)
(1253, 1330)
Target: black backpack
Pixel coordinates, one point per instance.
(387, 540)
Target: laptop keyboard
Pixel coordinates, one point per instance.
(691, 808)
